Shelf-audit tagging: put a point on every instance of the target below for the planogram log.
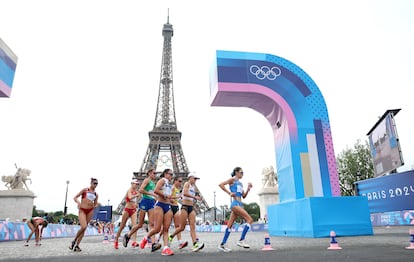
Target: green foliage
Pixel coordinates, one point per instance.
(253, 209)
(34, 212)
(58, 213)
(354, 164)
(54, 217)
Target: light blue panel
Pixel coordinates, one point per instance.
(347, 216)
(317, 216)
(6, 74)
(290, 218)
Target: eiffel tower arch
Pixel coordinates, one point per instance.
(164, 148)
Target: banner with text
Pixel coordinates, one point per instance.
(393, 192)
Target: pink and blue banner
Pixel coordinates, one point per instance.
(20, 231)
(8, 62)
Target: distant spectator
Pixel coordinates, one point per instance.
(36, 225)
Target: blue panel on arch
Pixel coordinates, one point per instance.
(8, 61)
(318, 216)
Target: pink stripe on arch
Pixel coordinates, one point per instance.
(259, 89)
(5, 90)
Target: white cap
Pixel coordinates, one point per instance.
(193, 175)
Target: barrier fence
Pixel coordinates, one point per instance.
(14, 231)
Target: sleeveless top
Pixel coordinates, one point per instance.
(134, 197)
(191, 191)
(166, 188)
(237, 187)
(175, 193)
(89, 195)
(149, 188)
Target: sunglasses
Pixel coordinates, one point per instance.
(241, 172)
(180, 181)
(95, 183)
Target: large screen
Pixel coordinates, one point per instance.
(385, 145)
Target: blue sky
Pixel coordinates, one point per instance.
(86, 84)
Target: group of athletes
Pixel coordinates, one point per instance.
(159, 200)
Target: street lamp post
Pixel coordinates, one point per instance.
(65, 210)
(215, 211)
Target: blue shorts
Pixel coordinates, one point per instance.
(236, 203)
(165, 207)
(146, 204)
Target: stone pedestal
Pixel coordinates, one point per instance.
(16, 204)
(267, 196)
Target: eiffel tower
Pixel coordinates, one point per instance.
(164, 149)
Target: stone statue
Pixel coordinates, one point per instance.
(18, 180)
(269, 178)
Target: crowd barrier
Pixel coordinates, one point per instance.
(395, 218)
(236, 227)
(20, 231)
(13, 231)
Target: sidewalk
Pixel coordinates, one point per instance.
(387, 244)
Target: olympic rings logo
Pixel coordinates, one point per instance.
(163, 160)
(265, 72)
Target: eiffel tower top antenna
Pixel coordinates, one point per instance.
(165, 115)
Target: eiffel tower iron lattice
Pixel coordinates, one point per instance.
(164, 149)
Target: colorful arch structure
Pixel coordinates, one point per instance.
(8, 61)
(310, 202)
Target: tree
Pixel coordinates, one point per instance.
(354, 164)
(253, 209)
(35, 213)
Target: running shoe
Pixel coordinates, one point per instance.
(125, 240)
(198, 246)
(72, 245)
(116, 244)
(167, 252)
(134, 244)
(241, 243)
(183, 245)
(149, 243)
(143, 242)
(224, 248)
(155, 247)
(27, 244)
(77, 249)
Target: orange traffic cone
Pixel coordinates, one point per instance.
(411, 246)
(334, 245)
(267, 245)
